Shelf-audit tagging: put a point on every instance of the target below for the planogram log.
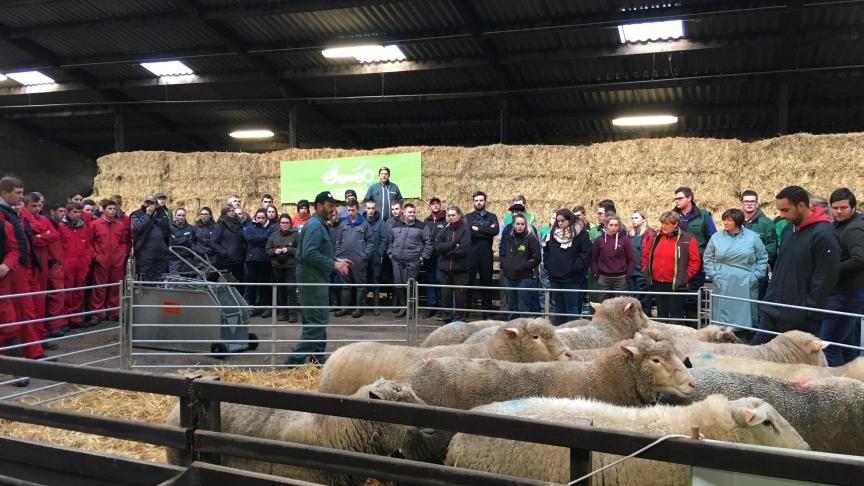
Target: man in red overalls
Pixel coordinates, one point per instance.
(110, 246)
(44, 235)
(77, 254)
(55, 303)
(11, 197)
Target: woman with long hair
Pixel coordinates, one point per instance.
(258, 269)
(566, 255)
(519, 258)
(641, 236)
(452, 245)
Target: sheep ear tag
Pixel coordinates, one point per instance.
(628, 307)
(511, 332)
(817, 345)
(595, 306)
(630, 350)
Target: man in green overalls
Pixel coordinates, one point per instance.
(315, 261)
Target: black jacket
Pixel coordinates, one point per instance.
(805, 273)
(452, 246)
(571, 264)
(519, 257)
(204, 239)
(288, 240)
(487, 229)
(851, 235)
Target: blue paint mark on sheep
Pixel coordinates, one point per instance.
(513, 403)
(707, 356)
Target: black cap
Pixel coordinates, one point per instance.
(324, 197)
(517, 207)
(352, 192)
(303, 203)
(434, 200)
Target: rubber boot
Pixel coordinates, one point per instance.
(376, 301)
(282, 315)
(334, 298)
(399, 300)
(346, 301)
(361, 301)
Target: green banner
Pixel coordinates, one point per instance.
(304, 179)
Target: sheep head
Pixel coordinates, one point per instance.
(762, 424)
(390, 391)
(659, 366)
(623, 313)
(528, 341)
(801, 347)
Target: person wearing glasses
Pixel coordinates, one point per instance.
(756, 221)
(698, 223)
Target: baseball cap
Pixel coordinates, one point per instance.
(159, 194)
(351, 192)
(324, 197)
(434, 200)
(303, 204)
(150, 198)
(517, 207)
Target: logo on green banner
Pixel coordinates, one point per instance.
(303, 179)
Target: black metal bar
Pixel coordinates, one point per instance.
(122, 380)
(210, 474)
(93, 424)
(292, 125)
(111, 469)
(198, 413)
(580, 459)
(119, 129)
(348, 462)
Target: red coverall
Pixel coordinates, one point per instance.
(8, 256)
(110, 246)
(20, 284)
(55, 303)
(77, 254)
(44, 235)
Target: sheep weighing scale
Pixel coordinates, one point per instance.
(184, 289)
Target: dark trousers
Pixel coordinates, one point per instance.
(481, 264)
(314, 336)
(432, 276)
(842, 329)
(520, 300)
(259, 272)
(668, 306)
(449, 295)
(567, 302)
(373, 271)
(286, 295)
(151, 268)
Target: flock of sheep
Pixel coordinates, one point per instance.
(620, 369)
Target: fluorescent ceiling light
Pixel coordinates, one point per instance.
(649, 31)
(251, 134)
(30, 78)
(638, 121)
(369, 53)
(167, 68)
(3, 77)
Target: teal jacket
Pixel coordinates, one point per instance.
(315, 258)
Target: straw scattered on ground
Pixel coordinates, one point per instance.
(143, 407)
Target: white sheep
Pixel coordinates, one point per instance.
(633, 372)
(789, 347)
(710, 334)
(457, 332)
(614, 320)
(749, 420)
(785, 371)
(348, 434)
(828, 412)
(357, 364)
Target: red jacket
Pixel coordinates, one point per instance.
(77, 241)
(44, 237)
(665, 264)
(110, 241)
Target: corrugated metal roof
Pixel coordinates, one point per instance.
(20, 15)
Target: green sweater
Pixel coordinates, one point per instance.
(764, 227)
(314, 255)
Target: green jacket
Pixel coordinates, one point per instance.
(779, 224)
(764, 227)
(314, 255)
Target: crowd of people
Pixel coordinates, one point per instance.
(806, 257)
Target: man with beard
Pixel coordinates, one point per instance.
(807, 267)
(483, 227)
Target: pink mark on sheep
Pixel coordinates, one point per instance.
(802, 384)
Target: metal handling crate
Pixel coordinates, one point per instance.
(185, 289)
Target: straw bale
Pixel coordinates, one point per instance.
(639, 173)
(145, 407)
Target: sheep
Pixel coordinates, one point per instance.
(826, 412)
(356, 435)
(790, 372)
(576, 323)
(630, 373)
(748, 420)
(614, 320)
(709, 334)
(357, 364)
(457, 332)
(789, 347)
